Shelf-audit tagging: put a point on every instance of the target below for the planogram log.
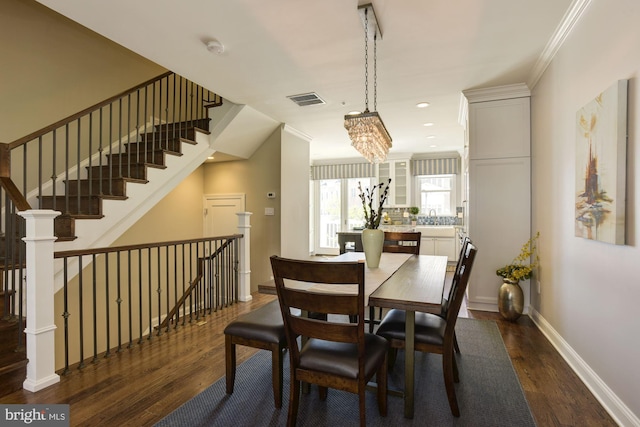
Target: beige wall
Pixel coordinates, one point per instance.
(589, 290)
(53, 67)
(254, 177)
(178, 216)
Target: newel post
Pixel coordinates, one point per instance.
(244, 269)
(40, 329)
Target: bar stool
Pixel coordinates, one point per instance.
(263, 329)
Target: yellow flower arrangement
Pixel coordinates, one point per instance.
(518, 270)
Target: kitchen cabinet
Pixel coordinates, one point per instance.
(400, 189)
(445, 246)
(499, 164)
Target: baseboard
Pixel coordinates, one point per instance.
(611, 403)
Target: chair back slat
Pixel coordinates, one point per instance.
(452, 289)
(401, 242)
(460, 282)
(287, 273)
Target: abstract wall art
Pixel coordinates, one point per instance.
(601, 152)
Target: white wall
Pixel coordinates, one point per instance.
(589, 290)
(294, 184)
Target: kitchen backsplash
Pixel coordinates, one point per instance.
(397, 216)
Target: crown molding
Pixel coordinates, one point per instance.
(518, 90)
(569, 21)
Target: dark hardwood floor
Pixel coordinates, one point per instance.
(139, 386)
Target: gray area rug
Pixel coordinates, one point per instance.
(489, 393)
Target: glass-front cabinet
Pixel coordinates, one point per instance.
(400, 190)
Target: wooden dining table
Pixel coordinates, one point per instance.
(403, 281)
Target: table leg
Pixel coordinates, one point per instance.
(409, 361)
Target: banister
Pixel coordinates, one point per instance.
(84, 112)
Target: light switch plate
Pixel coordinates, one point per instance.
(269, 211)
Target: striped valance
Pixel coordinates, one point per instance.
(355, 170)
(435, 166)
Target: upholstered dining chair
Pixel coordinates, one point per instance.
(452, 289)
(433, 333)
(333, 352)
(263, 329)
(396, 242)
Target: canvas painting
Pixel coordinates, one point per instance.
(601, 152)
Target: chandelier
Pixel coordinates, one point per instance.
(367, 131)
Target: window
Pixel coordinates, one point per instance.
(338, 208)
(436, 193)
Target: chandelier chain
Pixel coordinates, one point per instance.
(366, 61)
(375, 71)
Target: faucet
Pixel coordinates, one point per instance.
(432, 213)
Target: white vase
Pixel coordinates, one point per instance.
(372, 242)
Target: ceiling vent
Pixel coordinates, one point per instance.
(305, 99)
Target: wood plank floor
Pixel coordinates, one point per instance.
(139, 386)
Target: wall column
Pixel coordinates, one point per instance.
(244, 269)
(40, 329)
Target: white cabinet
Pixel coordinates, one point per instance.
(499, 186)
(400, 189)
(445, 246)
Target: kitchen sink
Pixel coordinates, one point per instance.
(436, 230)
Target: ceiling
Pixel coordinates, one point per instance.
(431, 50)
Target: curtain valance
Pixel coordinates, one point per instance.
(435, 166)
(354, 170)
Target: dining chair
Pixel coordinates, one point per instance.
(263, 329)
(434, 333)
(331, 352)
(452, 289)
(396, 242)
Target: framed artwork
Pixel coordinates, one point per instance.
(601, 153)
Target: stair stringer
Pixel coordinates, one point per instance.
(120, 215)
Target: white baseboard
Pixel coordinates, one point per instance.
(611, 403)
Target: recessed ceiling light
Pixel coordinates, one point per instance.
(210, 158)
(422, 104)
(431, 137)
(351, 113)
(433, 146)
(428, 124)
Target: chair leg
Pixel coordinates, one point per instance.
(456, 377)
(447, 367)
(322, 393)
(381, 379)
(230, 363)
(276, 374)
(455, 342)
(391, 358)
(361, 406)
(294, 397)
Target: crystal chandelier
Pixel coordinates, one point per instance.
(367, 131)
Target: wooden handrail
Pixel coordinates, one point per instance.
(97, 251)
(193, 285)
(56, 125)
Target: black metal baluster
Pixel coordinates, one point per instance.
(65, 313)
(158, 263)
(107, 305)
(119, 300)
(150, 294)
(80, 312)
(140, 296)
(130, 302)
(95, 309)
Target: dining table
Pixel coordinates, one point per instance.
(401, 281)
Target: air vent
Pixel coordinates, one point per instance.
(305, 99)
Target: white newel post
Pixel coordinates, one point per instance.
(40, 327)
(244, 269)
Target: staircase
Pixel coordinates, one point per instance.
(13, 359)
(83, 198)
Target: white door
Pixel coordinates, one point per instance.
(220, 214)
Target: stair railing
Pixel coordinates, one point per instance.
(127, 295)
(64, 166)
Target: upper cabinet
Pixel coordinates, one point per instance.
(499, 122)
(400, 189)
